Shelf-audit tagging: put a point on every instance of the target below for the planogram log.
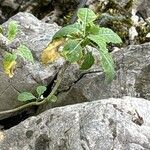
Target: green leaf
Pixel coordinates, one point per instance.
(86, 15)
(93, 29)
(88, 61)
(109, 35)
(72, 51)
(107, 65)
(53, 99)
(25, 53)
(25, 96)
(67, 30)
(106, 59)
(40, 90)
(98, 41)
(12, 30)
(10, 57)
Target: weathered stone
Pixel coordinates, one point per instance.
(35, 35)
(132, 78)
(132, 71)
(48, 10)
(52, 11)
(11, 7)
(98, 125)
(143, 8)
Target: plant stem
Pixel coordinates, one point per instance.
(36, 103)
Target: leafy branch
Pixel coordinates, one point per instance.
(49, 98)
(81, 34)
(70, 42)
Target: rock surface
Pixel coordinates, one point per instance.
(132, 66)
(48, 10)
(129, 18)
(35, 35)
(132, 78)
(121, 124)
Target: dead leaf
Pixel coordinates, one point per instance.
(50, 54)
(9, 68)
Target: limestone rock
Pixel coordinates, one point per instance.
(35, 35)
(143, 8)
(98, 125)
(132, 65)
(132, 78)
(10, 7)
(48, 10)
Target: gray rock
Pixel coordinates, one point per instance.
(143, 8)
(132, 66)
(11, 7)
(35, 35)
(132, 78)
(48, 10)
(121, 124)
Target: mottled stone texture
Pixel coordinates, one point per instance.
(132, 71)
(132, 78)
(121, 124)
(35, 35)
(48, 10)
(51, 11)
